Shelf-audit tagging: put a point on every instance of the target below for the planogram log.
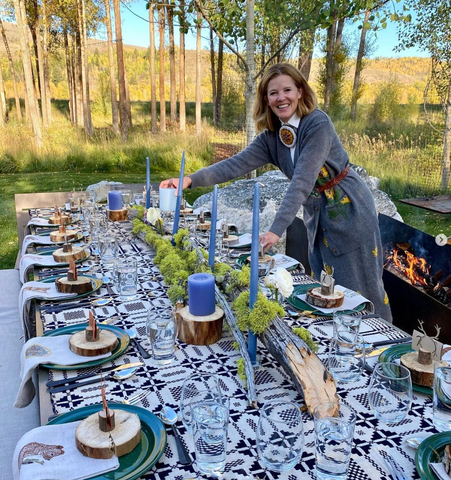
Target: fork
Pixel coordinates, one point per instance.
(137, 398)
(393, 468)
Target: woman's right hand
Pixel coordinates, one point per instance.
(174, 183)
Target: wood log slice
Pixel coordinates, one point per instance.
(117, 215)
(61, 237)
(265, 259)
(204, 226)
(94, 443)
(421, 374)
(106, 343)
(316, 298)
(81, 285)
(60, 256)
(186, 211)
(447, 459)
(57, 220)
(196, 330)
(231, 240)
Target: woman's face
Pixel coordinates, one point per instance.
(283, 96)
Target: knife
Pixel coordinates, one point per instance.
(392, 341)
(63, 381)
(72, 386)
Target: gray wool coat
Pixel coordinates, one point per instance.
(342, 223)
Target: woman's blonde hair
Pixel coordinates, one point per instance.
(264, 117)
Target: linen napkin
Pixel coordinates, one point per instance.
(39, 350)
(31, 259)
(439, 470)
(284, 261)
(243, 240)
(50, 453)
(41, 239)
(32, 290)
(41, 222)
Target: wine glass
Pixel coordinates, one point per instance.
(390, 392)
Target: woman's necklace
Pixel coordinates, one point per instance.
(287, 135)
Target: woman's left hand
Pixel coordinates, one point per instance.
(268, 239)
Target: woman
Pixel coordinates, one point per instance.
(339, 211)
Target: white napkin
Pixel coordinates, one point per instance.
(243, 240)
(283, 261)
(54, 349)
(42, 222)
(351, 300)
(439, 470)
(50, 452)
(42, 240)
(32, 290)
(31, 259)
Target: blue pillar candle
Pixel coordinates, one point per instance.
(214, 214)
(175, 227)
(114, 200)
(255, 247)
(201, 294)
(147, 183)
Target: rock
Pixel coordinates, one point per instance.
(100, 190)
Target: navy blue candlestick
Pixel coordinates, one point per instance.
(175, 228)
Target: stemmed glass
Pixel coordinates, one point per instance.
(390, 392)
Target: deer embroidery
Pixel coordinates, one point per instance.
(47, 452)
(38, 289)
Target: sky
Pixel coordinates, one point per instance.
(135, 31)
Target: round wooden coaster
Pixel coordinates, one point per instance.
(61, 237)
(117, 215)
(94, 443)
(421, 374)
(106, 343)
(204, 226)
(231, 240)
(316, 298)
(81, 285)
(57, 220)
(61, 256)
(199, 330)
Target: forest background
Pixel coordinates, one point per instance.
(396, 130)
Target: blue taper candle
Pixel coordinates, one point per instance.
(175, 228)
(214, 214)
(252, 338)
(147, 182)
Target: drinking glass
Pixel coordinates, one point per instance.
(138, 199)
(346, 360)
(108, 249)
(127, 273)
(442, 396)
(280, 435)
(334, 433)
(346, 326)
(210, 420)
(197, 388)
(162, 333)
(390, 392)
(126, 197)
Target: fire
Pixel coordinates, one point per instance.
(414, 268)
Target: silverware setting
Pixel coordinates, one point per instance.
(169, 417)
(394, 469)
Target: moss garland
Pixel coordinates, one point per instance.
(307, 337)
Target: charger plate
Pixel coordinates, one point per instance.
(146, 454)
(427, 453)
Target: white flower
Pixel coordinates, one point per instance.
(270, 281)
(153, 215)
(284, 282)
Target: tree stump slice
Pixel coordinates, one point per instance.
(186, 211)
(421, 374)
(231, 240)
(117, 215)
(447, 459)
(61, 256)
(94, 443)
(199, 330)
(81, 346)
(265, 259)
(81, 285)
(61, 237)
(204, 226)
(57, 220)
(316, 298)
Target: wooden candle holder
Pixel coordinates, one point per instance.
(195, 330)
(117, 215)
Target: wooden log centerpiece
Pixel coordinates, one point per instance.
(93, 341)
(68, 252)
(73, 283)
(62, 235)
(108, 432)
(325, 296)
(118, 215)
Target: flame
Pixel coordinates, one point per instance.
(414, 268)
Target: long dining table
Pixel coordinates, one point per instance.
(372, 437)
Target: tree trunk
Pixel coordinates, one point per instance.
(78, 79)
(173, 91)
(70, 80)
(87, 121)
(113, 93)
(161, 22)
(11, 69)
(213, 74)
(198, 76)
(153, 83)
(21, 20)
(40, 71)
(306, 52)
(2, 100)
(45, 53)
(250, 89)
(219, 83)
(338, 41)
(182, 70)
(123, 112)
(128, 103)
(329, 64)
(446, 143)
(358, 68)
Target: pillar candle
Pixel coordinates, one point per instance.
(255, 246)
(214, 214)
(147, 182)
(175, 228)
(201, 294)
(114, 200)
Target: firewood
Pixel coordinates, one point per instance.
(77, 253)
(316, 298)
(80, 285)
(446, 281)
(421, 374)
(199, 330)
(94, 443)
(106, 343)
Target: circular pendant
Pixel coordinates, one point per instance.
(287, 135)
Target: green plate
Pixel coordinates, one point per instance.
(146, 454)
(122, 345)
(427, 453)
(304, 306)
(96, 283)
(396, 352)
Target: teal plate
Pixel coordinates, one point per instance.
(96, 283)
(146, 454)
(304, 306)
(122, 345)
(395, 353)
(427, 453)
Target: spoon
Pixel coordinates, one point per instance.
(169, 417)
(132, 333)
(107, 281)
(414, 442)
(97, 302)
